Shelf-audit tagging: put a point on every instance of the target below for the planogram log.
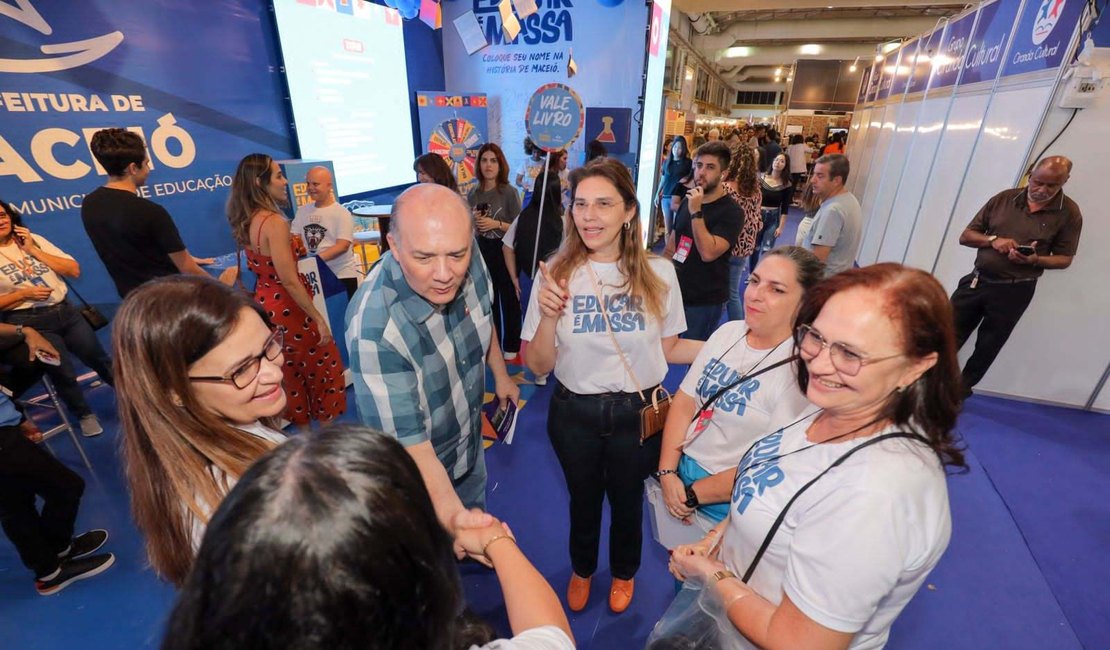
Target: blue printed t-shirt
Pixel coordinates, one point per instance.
(419, 371)
(742, 414)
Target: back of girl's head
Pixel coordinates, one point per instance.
(743, 171)
(810, 200)
(594, 150)
(329, 541)
(919, 309)
(553, 198)
(249, 194)
(809, 267)
(161, 329)
(435, 166)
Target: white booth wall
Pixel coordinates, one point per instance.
(924, 163)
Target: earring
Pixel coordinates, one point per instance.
(177, 401)
(627, 225)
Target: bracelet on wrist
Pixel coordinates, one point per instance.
(658, 474)
(493, 539)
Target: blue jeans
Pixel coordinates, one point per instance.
(701, 321)
(735, 304)
(766, 240)
(65, 328)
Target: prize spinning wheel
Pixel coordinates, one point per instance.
(458, 140)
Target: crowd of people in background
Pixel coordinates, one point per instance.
(830, 391)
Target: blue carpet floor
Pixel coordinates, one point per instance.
(1027, 567)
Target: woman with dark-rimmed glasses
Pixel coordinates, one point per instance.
(199, 394)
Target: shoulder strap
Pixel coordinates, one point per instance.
(262, 222)
(782, 515)
(741, 380)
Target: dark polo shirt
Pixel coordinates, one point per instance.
(1055, 228)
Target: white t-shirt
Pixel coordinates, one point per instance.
(547, 637)
(321, 228)
(585, 360)
(855, 547)
(742, 414)
(509, 240)
(19, 270)
(255, 428)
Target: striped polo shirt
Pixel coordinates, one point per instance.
(419, 371)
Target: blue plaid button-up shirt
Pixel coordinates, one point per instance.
(419, 371)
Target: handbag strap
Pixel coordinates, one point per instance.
(741, 380)
(609, 330)
(782, 515)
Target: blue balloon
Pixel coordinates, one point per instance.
(610, 3)
(408, 9)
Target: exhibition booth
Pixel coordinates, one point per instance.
(367, 87)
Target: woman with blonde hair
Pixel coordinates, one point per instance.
(313, 370)
(605, 317)
(199, 390)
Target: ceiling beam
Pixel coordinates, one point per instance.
(700, 6)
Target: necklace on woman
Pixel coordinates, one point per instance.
(775, 459)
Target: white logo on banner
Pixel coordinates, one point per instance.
(74, 54)
(1047, 17)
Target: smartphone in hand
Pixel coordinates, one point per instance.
(48, 358)
(1026, 250)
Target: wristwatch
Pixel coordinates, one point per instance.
(691, 497)
(990, 240)
(19, 331)
(697, 215)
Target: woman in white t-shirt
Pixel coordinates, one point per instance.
(33, 294)
(601, 290)
(723, 406)
(199, 392)
(331, 541)
(856, 479)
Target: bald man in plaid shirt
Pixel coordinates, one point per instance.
(420, 332)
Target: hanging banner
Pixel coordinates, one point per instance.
(69, 69)
(454, 126)
(988, 46)
(601, 34)
(950, 58)
(1043, 35)
(926, 57)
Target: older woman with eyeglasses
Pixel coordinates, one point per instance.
(199, 392)
(838, 515)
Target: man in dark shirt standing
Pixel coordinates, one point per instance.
(1019, 234)
(706, 227)
(135, 238)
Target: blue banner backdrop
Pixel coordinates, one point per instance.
(605, 37)
(1043, 35)
(198, 81)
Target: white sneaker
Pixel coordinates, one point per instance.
(541, 380)
(512, 358)
(90, 426)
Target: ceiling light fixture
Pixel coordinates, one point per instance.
(810, 48)
(854, 66)
(737, 52)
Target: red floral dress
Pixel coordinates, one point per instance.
(314, 386)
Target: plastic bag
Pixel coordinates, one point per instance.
(695, 621)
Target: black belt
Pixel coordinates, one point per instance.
(989, 280)
(40, 309)
(564, 392)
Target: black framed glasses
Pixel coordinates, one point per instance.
(247, 372)
(844, 359)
